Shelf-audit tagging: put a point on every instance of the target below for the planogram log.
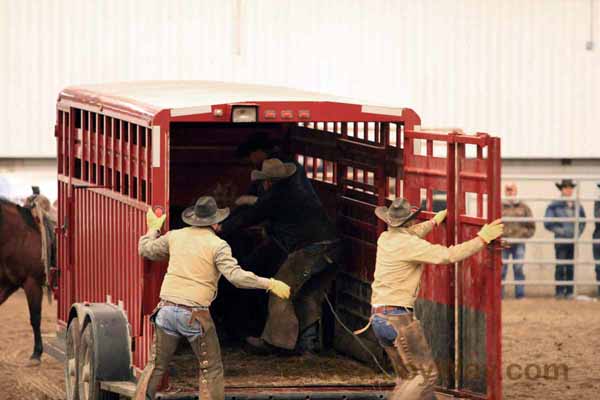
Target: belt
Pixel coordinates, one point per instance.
(384, 309)
(381, 310)
(164, 303)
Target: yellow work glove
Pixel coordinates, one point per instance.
(153, 222)
(440, 217)
(491, 231)
(279, 288)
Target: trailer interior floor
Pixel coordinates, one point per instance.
(244, 370)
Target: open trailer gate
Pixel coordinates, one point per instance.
(460, 305)
(117, 156)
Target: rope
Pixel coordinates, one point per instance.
(364, 347)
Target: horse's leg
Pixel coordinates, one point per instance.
(34, 293)
(6, 291)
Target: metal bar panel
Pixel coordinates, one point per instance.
(114, 127)
(436, 300)
(138, 162)
(123, 127)
(534, 198)
(97, 148)
(576, 233)
(148, 164)
(551, 241)
(549, 219)
(530, 282)
(561, 261)
(129, 159)
(104, 156)
(479, 324)
(551, 177)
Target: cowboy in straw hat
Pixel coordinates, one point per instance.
(197, 259)
(300, 230)
(564, 230)
(401, 253)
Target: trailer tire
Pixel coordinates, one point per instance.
(89, 385)
(71, 360)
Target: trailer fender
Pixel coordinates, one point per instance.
(112, 341)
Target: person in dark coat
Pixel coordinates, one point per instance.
(297, 223)
(596, 235)
(564, 230)
(259, 252)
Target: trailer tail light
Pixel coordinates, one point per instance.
(270, 114)
(304, 114)
(158, 211)
(287, 114)
(244, 114)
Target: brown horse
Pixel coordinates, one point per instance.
(21, 264)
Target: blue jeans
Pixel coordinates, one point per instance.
(564, 272)
(517, 252)
(175, 321)
(596, 251)
(384, 332)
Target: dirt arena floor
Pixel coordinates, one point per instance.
(550, 351)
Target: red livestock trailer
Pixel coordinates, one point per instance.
(127, 146)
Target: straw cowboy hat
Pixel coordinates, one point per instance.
(565, 183)
(398, 213)
(204, 213)
(273, 169)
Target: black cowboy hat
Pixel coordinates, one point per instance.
(398, 213)
(256, 141)
(204, 213)
(565, 183)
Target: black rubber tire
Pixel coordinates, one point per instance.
(89, 386)
(71, 361)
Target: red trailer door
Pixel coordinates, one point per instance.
(429, 168)
(459, 305)
(479, 277)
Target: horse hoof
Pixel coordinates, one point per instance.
(33, 362)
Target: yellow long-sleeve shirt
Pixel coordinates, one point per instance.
(197, 259)
(401, 253)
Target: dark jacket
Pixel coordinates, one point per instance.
(562, 209)
(294, 214)
(597, 215)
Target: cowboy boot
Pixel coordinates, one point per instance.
(402, 373)
(162, 350)
(416, 355)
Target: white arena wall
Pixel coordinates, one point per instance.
(515, 68)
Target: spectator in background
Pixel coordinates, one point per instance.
(564, 230)
(516, 230)
(596, 235)
(4, 188)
